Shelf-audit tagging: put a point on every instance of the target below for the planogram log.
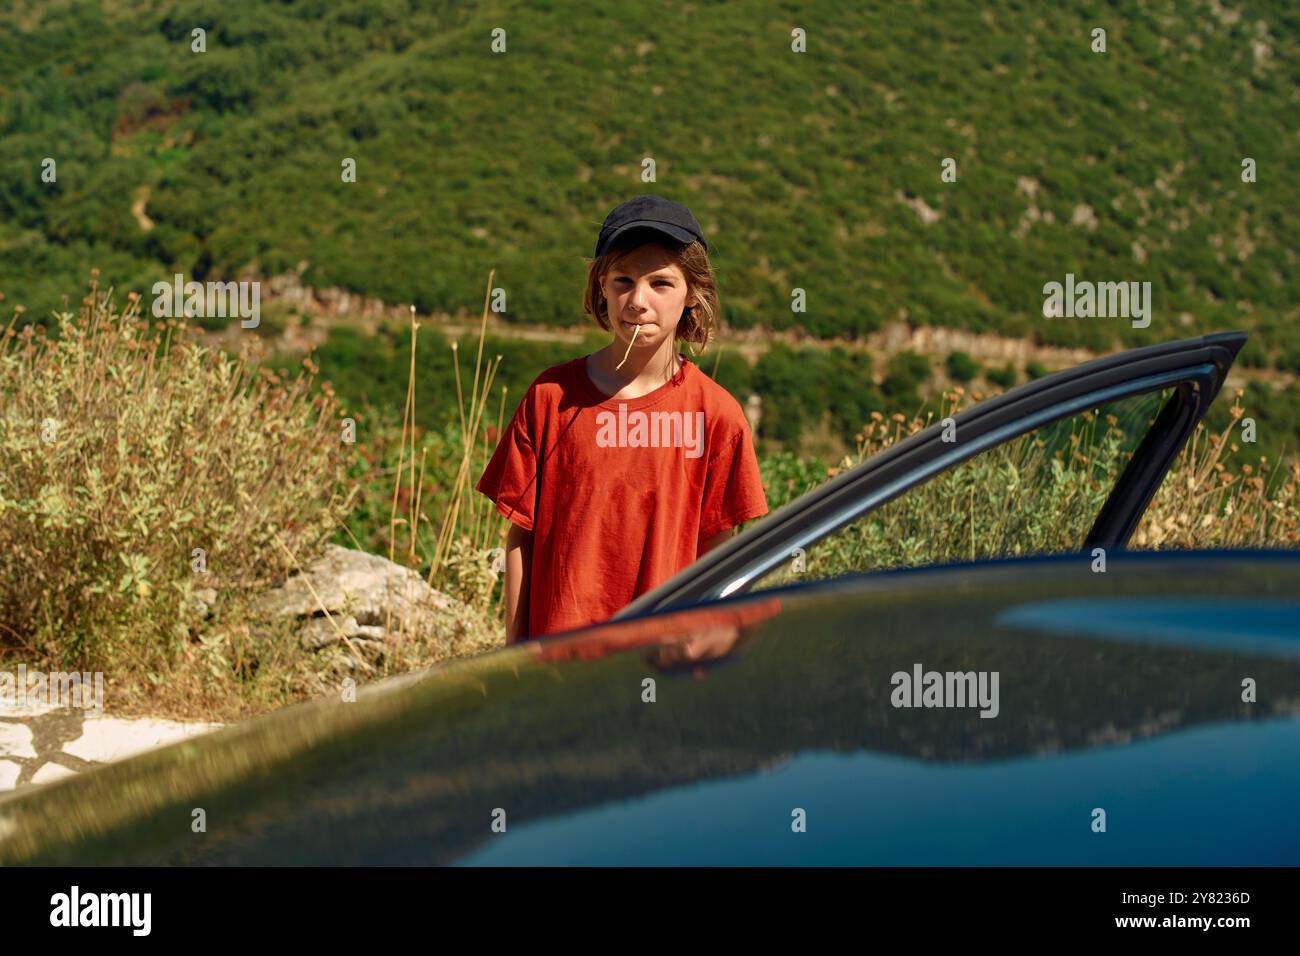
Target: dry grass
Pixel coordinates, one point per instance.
(128, 445)
(1208, 500)
(1040, 493)
(134, 460)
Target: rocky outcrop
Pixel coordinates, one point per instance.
(351, 608)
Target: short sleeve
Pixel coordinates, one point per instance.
(510, 478)
(733, 488)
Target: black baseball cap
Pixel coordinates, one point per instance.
(650, 212)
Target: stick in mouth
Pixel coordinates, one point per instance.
(635, 333)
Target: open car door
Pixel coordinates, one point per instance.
(1184, 376)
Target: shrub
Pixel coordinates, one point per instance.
(905, 373)
(1003, 378)
(787, 476)
(128, 446)
(961, 367)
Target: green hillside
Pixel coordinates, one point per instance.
(814, 170)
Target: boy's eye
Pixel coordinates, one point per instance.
(667, 282)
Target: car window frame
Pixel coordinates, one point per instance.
(1194, 368)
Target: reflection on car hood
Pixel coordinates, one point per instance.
(562, 739)
(1241, 625)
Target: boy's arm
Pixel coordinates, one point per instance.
(519, 560)
(708, 544)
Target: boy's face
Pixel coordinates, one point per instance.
(647, 289)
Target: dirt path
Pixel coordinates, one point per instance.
(41, 744)
(331, 307)
(138, 206)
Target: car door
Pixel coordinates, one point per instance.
(1187, 374)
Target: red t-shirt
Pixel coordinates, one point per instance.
(619, 493)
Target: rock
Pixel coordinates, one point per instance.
(919, 206)
(9, 772)
(365, 586)
(343, 664)
(319, 632)
(371, 601)
(204, 598)
(370, 649)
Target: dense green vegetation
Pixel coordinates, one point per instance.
(807, 171)
(814, 400)
(961, 367)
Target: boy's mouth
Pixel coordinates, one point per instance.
(632, 326)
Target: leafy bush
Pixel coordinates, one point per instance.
(961, 367)
(126, 447)
(787, 476)
(906, 372)
(1004, 378)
